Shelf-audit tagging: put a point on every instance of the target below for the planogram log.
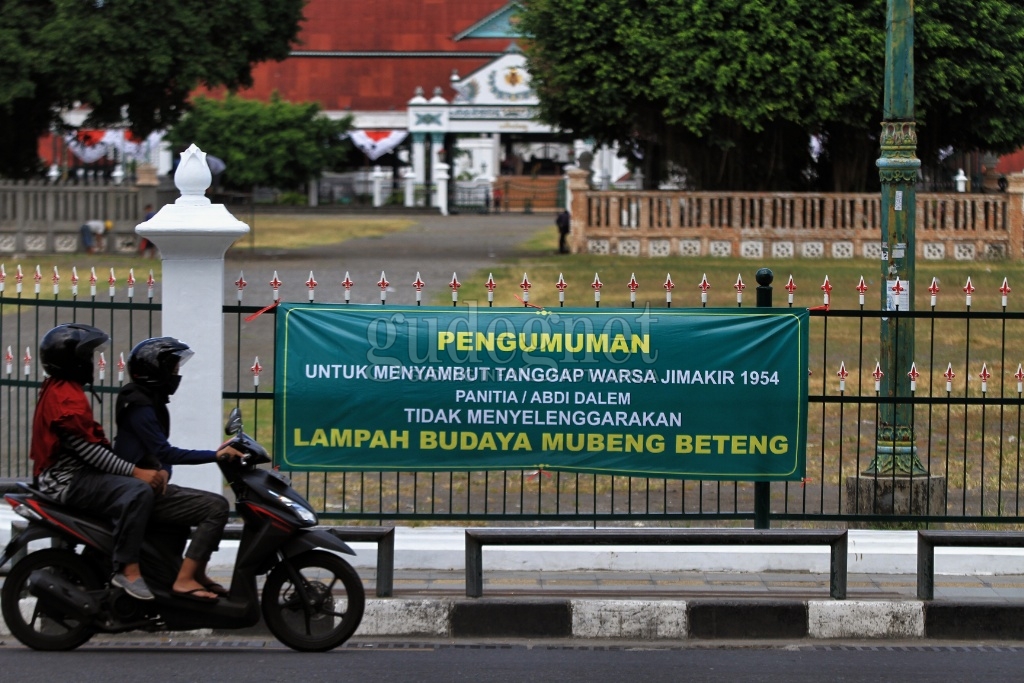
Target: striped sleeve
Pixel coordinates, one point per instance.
(99, 456)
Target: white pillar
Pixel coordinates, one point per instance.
(410, 187)
(378, 184)
(313, 192)
(192, 235)
(441, 184)
(419, 156)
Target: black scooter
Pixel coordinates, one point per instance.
(56, 598)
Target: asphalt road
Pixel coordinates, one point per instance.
(429, 661)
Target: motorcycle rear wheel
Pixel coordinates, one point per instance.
(29, 623)
(332, 611)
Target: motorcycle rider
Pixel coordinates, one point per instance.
(72, 457)
(143, 428)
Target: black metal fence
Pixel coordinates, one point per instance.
(965, 424)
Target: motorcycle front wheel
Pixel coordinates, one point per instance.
(313, 602)
(39, 626)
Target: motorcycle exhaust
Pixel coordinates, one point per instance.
(58, 595)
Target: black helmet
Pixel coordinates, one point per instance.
(154, 363)
(66, 351)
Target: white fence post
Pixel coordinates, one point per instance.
(378, 186)
(410, 187)
(192, 235)
(441, 177)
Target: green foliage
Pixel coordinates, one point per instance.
(732, 89)
(141, 58)
(268, 144)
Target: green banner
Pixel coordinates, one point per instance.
(687, 393)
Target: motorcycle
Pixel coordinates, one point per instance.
(57, 598)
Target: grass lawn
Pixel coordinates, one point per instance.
(542, 264)
(273, 231)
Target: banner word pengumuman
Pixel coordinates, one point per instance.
(694, 394)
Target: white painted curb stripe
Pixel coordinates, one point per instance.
(864, 619)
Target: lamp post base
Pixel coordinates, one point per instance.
(895, 495)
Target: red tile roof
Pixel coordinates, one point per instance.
(378, 83)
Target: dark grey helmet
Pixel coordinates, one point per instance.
(66, 351)
(154, 363)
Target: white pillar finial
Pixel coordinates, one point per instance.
(193, 177)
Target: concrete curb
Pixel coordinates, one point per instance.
(681, 619)
(688, 619)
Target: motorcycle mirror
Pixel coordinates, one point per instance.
(234, 423)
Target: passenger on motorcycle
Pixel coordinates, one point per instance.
(143, 428)
(73, 460)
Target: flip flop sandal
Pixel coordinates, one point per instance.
(191, 595)
(216, 589)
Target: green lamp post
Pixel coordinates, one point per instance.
(895, 452)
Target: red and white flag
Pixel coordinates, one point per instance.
(377, 143)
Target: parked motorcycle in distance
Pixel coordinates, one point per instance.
(312, 600)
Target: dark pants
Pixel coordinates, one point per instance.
(563, 246)
(207, 512)
(127, 501)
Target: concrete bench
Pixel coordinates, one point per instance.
(927, 541)
(477, 538)
(384, 537)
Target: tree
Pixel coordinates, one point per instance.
(275, 144)
(732, 90)
(125, 59)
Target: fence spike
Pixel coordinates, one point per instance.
(240, 284)
(418, 284)
(256, 369)
(112, 283)
(878, 375)
(1005, 291)
(28, 360)
(560, 286)
(275, 285)
(949, 375)
(969, 290)
(790, 288)
(131, 283)
(347, 284)
(92, 282)
(490, 285)
(842, 374)
(985, 376)
(101, 365)
(898, 290)
(633, 286)
(739, 287)
(862, 287)
(38, 278)
(913, 375)
(150, 285)
(9, 361)
(525, 286)
(597, 285)
(1019, 376)
(704, 287)
(3, 277)
(55, 279)
(383, 284)
(933, 289)
(669, 286)
(311, 285)
(455, 284)
(826, 287)
(120, 368)
(19, 277)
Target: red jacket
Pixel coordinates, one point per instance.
(62, 404)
